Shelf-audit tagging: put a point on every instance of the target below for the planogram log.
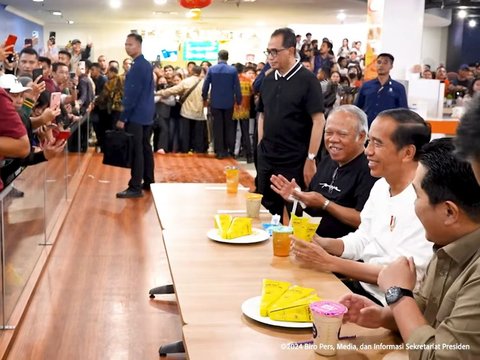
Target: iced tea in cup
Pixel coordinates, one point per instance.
(232, 175)
(254, 201)
(327, 320)
(281, 240)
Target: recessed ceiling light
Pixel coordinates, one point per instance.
(115, 4)
(472, 23)
(341, 16)
(57, 13)
(462, 14)
(160, 2)
(37, 0)
(70, 22)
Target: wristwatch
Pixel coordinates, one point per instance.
(395, 293)
(311, 156)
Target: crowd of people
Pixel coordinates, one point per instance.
(400, 213)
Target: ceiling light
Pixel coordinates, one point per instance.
(57, 13)
(37, 0)
(472, 23)
(115, 4)
(341, 16)
(70, 22)
(160, 2)
(462, 14)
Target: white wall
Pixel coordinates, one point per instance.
(434, 46)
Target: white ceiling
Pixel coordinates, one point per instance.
(222, 13)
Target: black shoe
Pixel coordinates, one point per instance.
(221, 156)
(146, 186)
(16, 193)
(249, 159)
(129, 193)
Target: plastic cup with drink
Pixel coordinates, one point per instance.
(232, 177)
(327, 321)
(253, 202)
(281, 240)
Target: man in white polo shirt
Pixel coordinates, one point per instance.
(389, 227)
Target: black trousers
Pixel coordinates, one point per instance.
(161, 133)
(223, 131)
(357, 288)
(245, 139)
(271, 200)
(193, 134)
(142, 163)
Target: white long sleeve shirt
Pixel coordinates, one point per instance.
(389, 229)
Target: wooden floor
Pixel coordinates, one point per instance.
(92, 299)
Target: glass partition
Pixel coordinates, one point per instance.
(31, 205)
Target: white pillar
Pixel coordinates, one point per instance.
(402, 34)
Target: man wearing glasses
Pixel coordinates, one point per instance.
(381, 93)
(291, 120)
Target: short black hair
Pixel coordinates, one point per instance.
(29, 51)
(387, 55)
(95, 65)
(208, 63)
(113, 69)
(239, 67)
(449, 178)
(136, 36)
(412, 129)
(65, 52)
(56, 65)
(223, 55)
(288, 35)
(468, 132)
(45, 59)
(308, 34)
(191, 63)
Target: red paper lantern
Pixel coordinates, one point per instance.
(195, 4)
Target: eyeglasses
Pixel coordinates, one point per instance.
(273, 52)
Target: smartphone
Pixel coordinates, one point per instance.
(55, 99)
(28, 42)
(72, 75)
(11, 40)
(81, 67)
(62, 135)
(52, 37)
(36, 73)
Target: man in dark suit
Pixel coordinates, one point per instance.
(225, 90)
(137, 117)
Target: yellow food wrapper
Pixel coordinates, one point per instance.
(297, 311)
(291, 295)
(304, 227)
(271, 291)
(222, 223)
(240, 226)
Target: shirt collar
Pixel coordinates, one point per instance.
(462, 249)
(290, 73)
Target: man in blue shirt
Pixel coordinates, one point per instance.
(225, 90)
(137, 117)
(381, 93)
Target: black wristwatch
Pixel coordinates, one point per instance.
(395, 293)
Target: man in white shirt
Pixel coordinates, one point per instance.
(389, 227)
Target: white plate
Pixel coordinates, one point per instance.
(251, 309)
(258, 235)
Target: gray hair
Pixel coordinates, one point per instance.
(358, 113)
